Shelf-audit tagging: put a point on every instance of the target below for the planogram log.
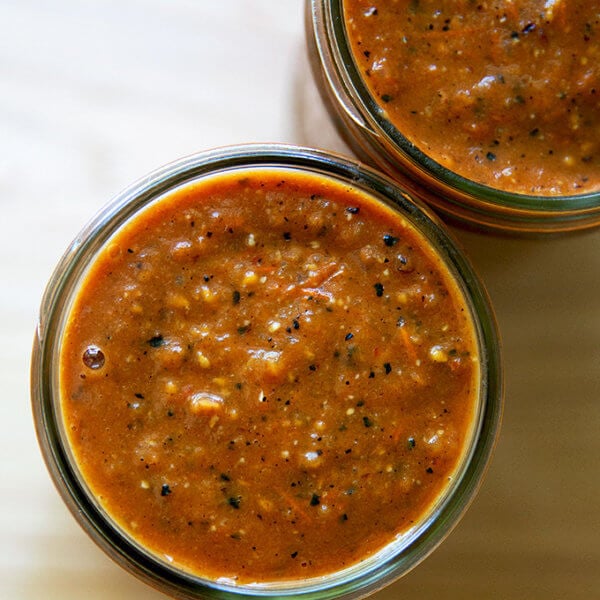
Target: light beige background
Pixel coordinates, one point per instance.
(95, 94)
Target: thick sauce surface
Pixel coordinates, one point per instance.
(268, 376)
(506, 93)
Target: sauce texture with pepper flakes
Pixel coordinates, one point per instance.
(268, 376)
(506, 93)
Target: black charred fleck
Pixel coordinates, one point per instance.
(156, 341)
(528, 28)
(234, 501)
(390, 240)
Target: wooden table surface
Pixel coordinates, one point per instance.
(95, 94)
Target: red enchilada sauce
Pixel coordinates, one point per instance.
(506, 93)
(268, 376)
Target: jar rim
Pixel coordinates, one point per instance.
(133, 199)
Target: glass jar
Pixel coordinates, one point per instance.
(362, 578)
(376, 140)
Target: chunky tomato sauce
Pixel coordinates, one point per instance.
(505, 92)
(267, 376)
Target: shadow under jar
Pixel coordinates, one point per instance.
(489, 112)
(266, 371)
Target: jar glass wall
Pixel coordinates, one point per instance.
(367, 575)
